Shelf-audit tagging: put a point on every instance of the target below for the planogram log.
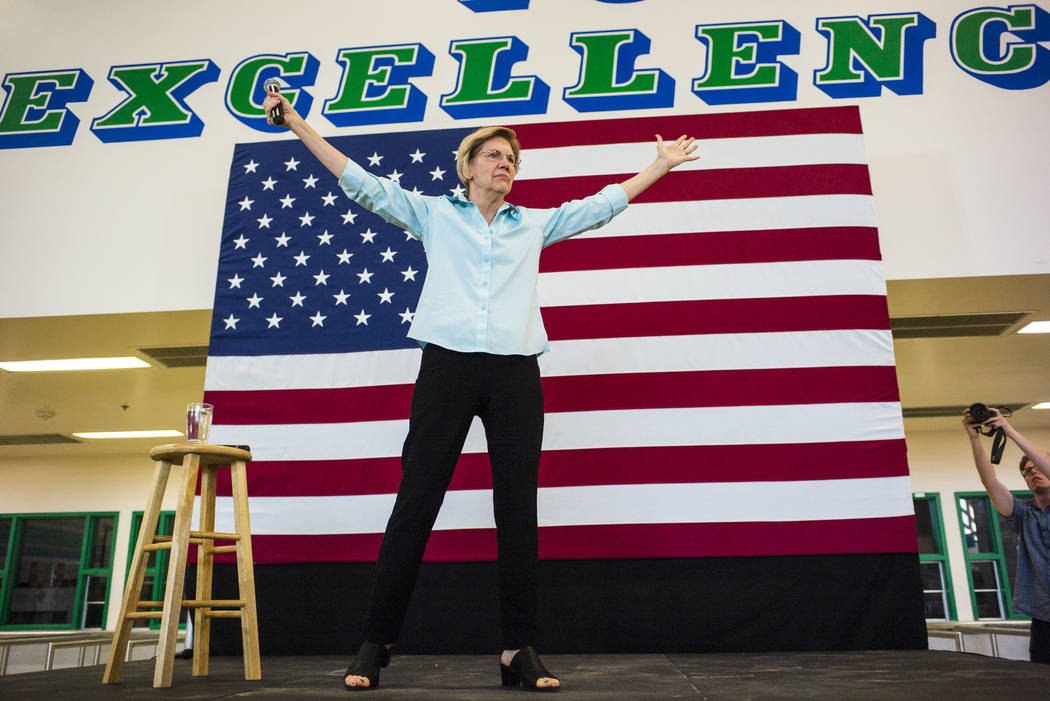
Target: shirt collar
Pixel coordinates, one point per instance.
(512, 210)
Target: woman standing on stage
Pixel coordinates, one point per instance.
(479, 323)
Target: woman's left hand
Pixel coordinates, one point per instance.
(674, 153)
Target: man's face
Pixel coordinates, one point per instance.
(1035, 479)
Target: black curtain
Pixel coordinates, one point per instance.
(730, 604)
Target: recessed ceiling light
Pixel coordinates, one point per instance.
(1042, 405)
(73, 364)
(129, 434)
(1036, 327)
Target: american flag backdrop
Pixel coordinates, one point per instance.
(721, 378)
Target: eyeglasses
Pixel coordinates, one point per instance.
(497, 156)
(1027, 470)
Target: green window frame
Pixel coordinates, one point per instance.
(94, 576)
(935, 569)
(989, 572)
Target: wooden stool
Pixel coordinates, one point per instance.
(208, 458)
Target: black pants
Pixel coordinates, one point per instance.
(453, 387)
(1039, 644)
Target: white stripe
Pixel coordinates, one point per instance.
(754, 214)
(731, 351)
(724, 502)
(733, 425)
(715, 154)
(808, 278)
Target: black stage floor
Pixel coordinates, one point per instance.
(913, 675)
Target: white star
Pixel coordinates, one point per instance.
(231, 322)
(250, 166)
(385, 295)
(374, 159)
(406, 316)
(368, 236)
(264, 221)
(235, 281)
(322, 278)
(286, 201)
(417, 157)
(278, 280)
(306, 220)
(297, 300)
(365, 277)
(388, 255)
(416, 191)
(329, 199)
(341, 297)
(282, 240)
(258, 261)
(275, 321)
(317, 319)
(437, 174)
(291, 164)
(457, 191)
(408, 236)
(395, 176)
(240, 241)
(309, 181)
(301, 258)
(409, 274)
(362, 318)
(344, 257)
(254, 300)
(246, 203)
(268, 183)
(349, 217)
(325, 238)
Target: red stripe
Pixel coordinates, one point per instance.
(818, 120)
(695, 185)
(583, 393)
(762, 315)
(716, 248)
(577, 468)
(874, 535)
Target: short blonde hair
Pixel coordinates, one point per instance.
(472, 143)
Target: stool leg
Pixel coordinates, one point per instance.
(118, 650)
(205, 560)
(245, 572)
(180, 537)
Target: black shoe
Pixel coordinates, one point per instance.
(524, 670)
(370, 657)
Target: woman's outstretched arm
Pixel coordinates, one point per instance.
(668, 155)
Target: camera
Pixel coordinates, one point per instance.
(980, 412)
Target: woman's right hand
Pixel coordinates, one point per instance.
(274, 99)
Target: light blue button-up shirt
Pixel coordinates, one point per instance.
(480, 290)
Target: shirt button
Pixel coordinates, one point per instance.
(485, 260)
(484, 284)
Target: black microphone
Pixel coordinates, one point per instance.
(272, 85)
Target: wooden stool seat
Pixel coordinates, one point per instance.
(194, 458)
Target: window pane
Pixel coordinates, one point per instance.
(48, 566)
(5, 534)
(101, 544)
(1009, 538)
(96, 588)
(977, 528)
(934, 605)
(984, 575)
(93, 615)
(932, 578)
(988, 605)
(924, 527)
